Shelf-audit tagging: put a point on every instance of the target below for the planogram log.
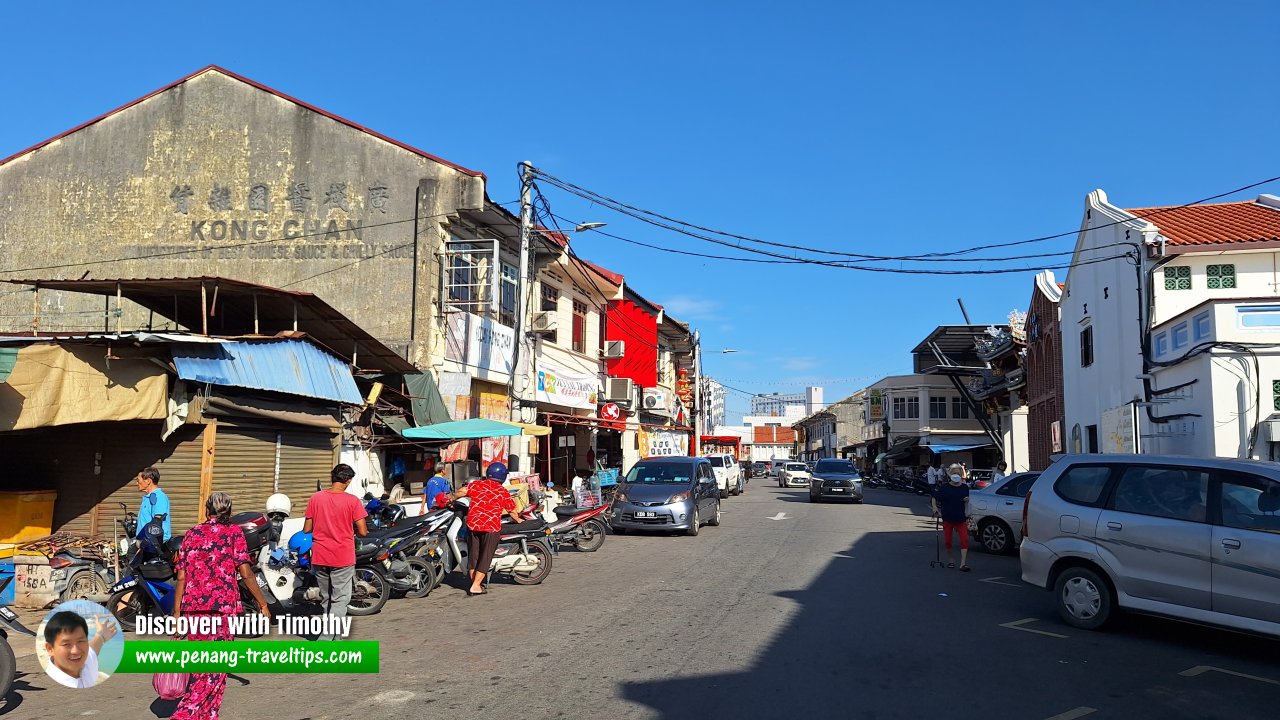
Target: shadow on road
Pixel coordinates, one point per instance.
(878, 634)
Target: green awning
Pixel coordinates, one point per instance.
(8, 358)
(425, 399)
(395, 422)
(464, 430)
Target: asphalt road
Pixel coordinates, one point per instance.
(829, 611)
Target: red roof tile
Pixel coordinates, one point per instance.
(1233, 222)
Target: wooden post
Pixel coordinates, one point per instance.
(119, 312)
(295, 316)
(204, 318)
(206, 465)
(255, 315)
(35, 311)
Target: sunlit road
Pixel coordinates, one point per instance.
(825, 611)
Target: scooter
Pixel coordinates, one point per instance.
(524, 550)
(584, 528)
(8, 625)
(147, 581)
(80, 578)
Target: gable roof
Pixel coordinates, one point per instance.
(1234, 222)
(247, 81)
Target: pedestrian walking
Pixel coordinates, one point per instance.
(154, 501)
(935, 475)
(211, 560)
(334, 518)
(489, 500)
(951, 503)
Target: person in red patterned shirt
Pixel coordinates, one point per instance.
(489, 500)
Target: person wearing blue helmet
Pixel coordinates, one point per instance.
(489, 500)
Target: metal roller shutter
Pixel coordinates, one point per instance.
(244, 466)
(130, 447)
(306, 459)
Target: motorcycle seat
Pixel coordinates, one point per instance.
(367, 550)
(568, 511)
(537, 526)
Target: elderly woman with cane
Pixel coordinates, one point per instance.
(213, 555)
(951, 503)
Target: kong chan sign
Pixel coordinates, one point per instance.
(558, 386)
(261, 222)
(479, 343)
(657, 442)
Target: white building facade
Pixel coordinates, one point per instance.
(809, 402)
(1177, 355)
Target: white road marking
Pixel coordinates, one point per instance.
(996, 581)
(392, 697)
(1018, 625)
(1202, 669)
(1073, 714)
(779, 516)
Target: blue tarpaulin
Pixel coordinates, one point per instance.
(472, 429)
(294, 367)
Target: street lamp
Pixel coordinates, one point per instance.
(583, 227)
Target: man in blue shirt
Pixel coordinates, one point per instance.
(154, 501)
(436, 485)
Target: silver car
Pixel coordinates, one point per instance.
(667, 493)
(995, 512)
(1195, 539)
(835, 478)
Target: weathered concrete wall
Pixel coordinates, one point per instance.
(217, 177)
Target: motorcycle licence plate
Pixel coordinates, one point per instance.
(646, 514)
(125, 585)
(8, 614)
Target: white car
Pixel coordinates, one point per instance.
(995, 512)
(793, 473)
(728, 474)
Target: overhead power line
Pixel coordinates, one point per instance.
(685, 227)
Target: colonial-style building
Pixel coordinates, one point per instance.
(1043, 365)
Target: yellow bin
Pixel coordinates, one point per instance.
(26, 515)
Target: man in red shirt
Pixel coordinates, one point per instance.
(331, 517)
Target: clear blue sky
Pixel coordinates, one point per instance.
(885, 128)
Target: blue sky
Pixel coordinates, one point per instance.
(885, 128)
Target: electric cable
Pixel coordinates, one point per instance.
(646, 215)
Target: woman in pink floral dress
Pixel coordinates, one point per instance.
(213, 554)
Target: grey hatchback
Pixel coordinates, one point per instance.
(667, 493)
(1196, 539)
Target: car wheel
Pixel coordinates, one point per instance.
(1083, 598)
(715, 520)
(694, 524)
(813, 498)
(724, 493)
(995, 536)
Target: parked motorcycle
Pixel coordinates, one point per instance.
(80, 578)
(148, 578)
(8, 625)
(584, 528)
(524, 550)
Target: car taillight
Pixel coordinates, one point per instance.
(1026, 503)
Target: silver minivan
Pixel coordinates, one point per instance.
(1195, 539)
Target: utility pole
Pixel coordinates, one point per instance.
(698, 410)
(520, 378)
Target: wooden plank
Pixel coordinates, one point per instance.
(206, 466)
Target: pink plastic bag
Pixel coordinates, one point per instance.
(170, 686)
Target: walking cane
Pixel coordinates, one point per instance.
(937, 544)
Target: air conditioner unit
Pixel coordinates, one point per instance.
(545, 322)
(619, 390)
(614, 349)
(654, 399)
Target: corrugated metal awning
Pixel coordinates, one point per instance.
(294, 367)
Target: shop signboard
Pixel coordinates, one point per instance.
(1116, 431)
(558, 386)
(876, 413)
(657, 442)
(479, 343)
(494, 406)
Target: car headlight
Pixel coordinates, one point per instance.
(679, 497)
